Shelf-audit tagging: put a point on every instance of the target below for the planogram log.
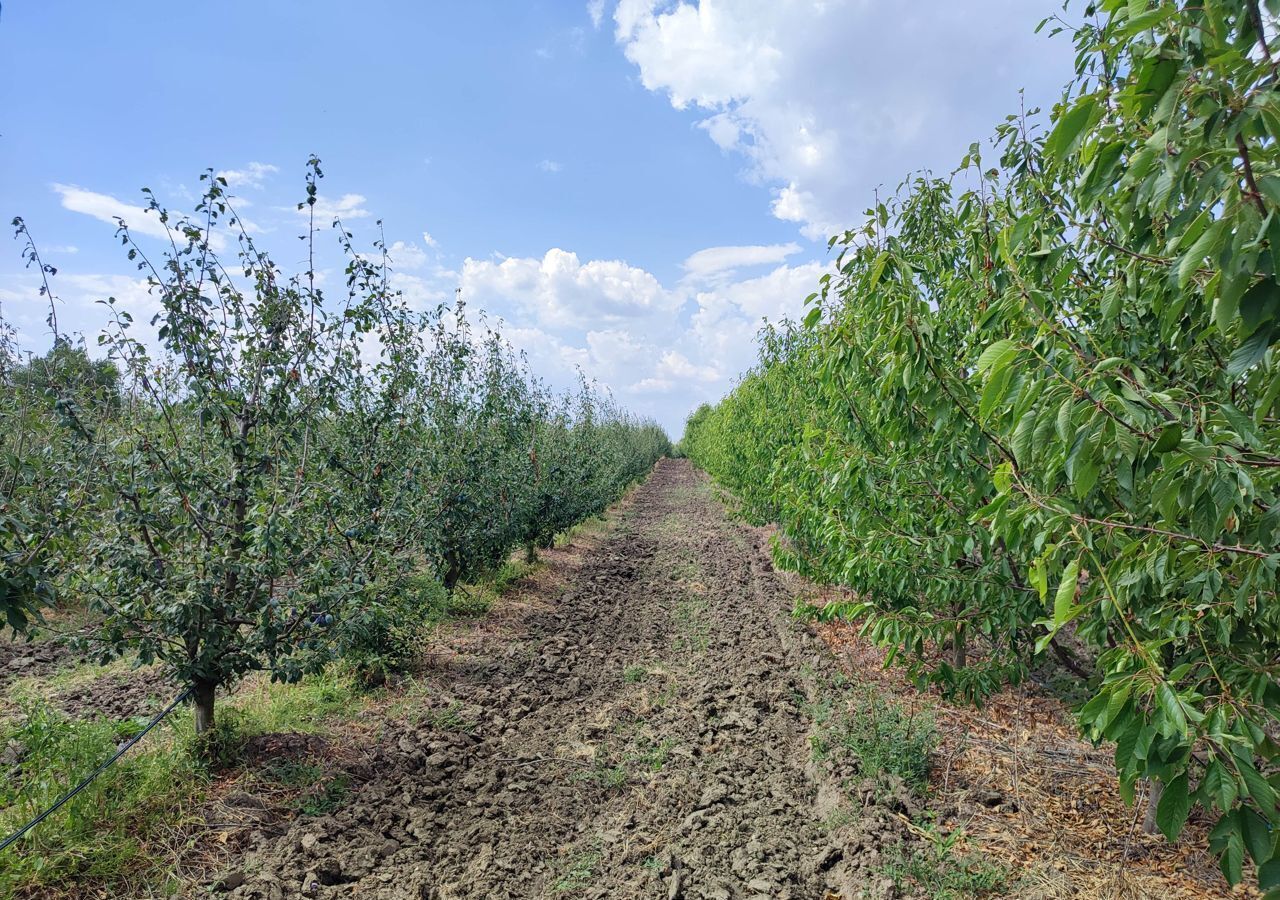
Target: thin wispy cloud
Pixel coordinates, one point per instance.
(254, 175)
(109, 209)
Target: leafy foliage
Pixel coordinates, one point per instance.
(1041, 395)
(270, 486)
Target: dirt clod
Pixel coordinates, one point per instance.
(646, 740)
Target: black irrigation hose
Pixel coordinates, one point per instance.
(88, 779)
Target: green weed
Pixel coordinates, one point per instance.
(691, 621)
(292, 773)
(511, 572)
(331, 795)
(884, 736)
(450, 719)
(611, 777)
(111, 833)
(937, 872)
(578, 875)
(653, 756)
(265, 707)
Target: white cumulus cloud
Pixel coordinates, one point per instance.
(667, 347)
(560, 290)
(407, 256)
(826, 100)
(346, 207)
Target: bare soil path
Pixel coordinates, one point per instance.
(648, 736)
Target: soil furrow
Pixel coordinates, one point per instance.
(648, 738)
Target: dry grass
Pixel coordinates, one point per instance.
(1029, 793)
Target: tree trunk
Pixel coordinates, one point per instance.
(960, 655)
(1155, 790)
(202, 695)
(1068, 659)
(530, 552)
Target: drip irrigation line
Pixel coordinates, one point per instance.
(88, 779)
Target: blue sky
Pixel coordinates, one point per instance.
(629, 185)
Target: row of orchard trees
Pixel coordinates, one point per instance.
(1038, 401)
(264, 489)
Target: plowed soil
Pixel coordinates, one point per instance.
(646, 735)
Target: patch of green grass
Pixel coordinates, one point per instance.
(818, 709)
(583, 531)
(884, 736)
(694, 630)
(449, 719)
(292, 773)
(511, 572)
(634, 674)
(838, 819)
(265, 707)
(887, 737)
(611, 777)
(110, 835)
(653, 756)
(471, 601)
(936, 871)
(579, 874)
(326, 798)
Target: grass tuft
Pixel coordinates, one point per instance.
(579, 874)
(884, 736)
(939, 873)
(112, 831)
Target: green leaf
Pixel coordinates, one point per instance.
(1084, 475)
(1022, 443)
(1112, 302)
(1260, 790)
(1232, 859)
(1039, 577)
(1066, 594)
(1231, 289)
(1064, 419)
(877, 269)
(1269, 875)
(1065, 137)
(1174, 807)
(1257, 835)
(1171, 706)
(1249, 353)
(998, 354)
(1169, 439)
(1195, 255)
(1218, 785)
(1259, 304)
(994, 391)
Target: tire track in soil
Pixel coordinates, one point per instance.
(648, 739)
